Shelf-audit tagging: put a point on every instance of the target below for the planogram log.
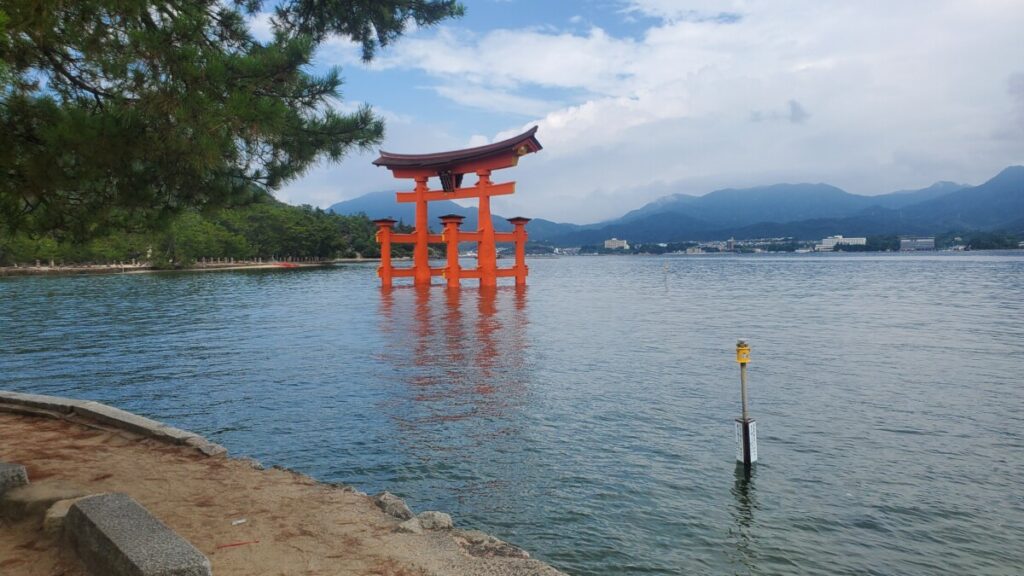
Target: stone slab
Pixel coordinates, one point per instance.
(88, 410)
(49, 403)
(104, 414)
(12, 476)
(115, 536)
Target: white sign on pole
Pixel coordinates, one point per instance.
(739, 441)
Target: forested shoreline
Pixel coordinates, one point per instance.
(264, 230)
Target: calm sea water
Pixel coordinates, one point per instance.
(589, 418)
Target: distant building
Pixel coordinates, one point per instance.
(730, 244)
(694, 250)
(830, 243)
(616, 244)
(910, 244)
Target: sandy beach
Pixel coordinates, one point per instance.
(246, 520)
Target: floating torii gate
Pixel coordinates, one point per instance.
(450, 167)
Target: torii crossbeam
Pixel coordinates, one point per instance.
(450, 167)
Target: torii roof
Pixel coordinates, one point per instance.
(439, 161)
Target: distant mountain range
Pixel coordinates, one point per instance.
(803, 211)
(383, 205)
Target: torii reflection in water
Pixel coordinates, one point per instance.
(461, 387)
(466, 346)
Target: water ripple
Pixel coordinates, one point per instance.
(589, 418)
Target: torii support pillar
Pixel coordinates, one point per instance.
(452, 272)
(420, 254)
(385, 271)
(519, 237)
(487, 249)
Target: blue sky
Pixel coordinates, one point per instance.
(636, 99)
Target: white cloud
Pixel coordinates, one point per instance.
(694, 10)
(1015, 87)
(869, 96)
(476, 96)
(514, 58)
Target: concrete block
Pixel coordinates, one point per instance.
(12, 476)
(143, 426)
(40, 402)
(115, 536)
(108, 415)
(119, 418)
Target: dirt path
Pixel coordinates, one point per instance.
(293, 525)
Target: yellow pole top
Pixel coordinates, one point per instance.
(742, 351)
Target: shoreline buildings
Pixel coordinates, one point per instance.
(911, 244)
(829, 244)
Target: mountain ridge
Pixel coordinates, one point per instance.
(803, 210)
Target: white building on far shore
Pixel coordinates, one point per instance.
(616, 244)
(830, 243)
(910, 244)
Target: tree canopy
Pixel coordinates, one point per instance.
(265, 229)
(117, 114)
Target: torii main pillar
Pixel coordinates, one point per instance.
(450, 167)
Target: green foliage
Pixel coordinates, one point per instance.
(266, 229)
(120, 114)
(646, 248)
(538, 248)
(657, 248)
(888, 243)
(790, 246)
(5, 77)
(998, 240)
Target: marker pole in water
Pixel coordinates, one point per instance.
(746, 428)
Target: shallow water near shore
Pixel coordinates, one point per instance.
(589, 417)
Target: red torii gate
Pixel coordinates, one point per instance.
(450, 167)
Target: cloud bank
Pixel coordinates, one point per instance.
(869, 96)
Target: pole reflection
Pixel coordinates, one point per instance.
(742, 533)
